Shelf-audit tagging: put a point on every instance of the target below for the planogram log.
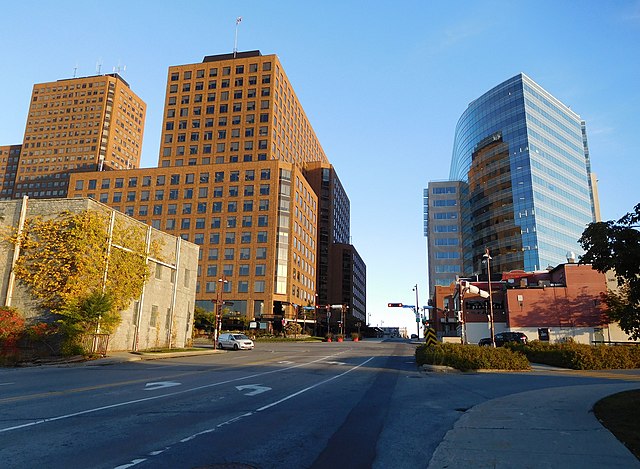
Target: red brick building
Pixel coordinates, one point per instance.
(556, 304)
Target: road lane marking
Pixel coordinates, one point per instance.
(160, 396)
(313, 386)
(255, 389)
(160, 385)
(120, 383)
(242, 416)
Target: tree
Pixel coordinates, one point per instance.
(203, 319)
(615, 246)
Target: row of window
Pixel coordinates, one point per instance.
(207, 149)
(201, 207)
(213, 84)
(243, 286)
(187, 194)
(243, 270)
(213, 71)
(229, 236)
(174, 179)
(210, 109)
(222, 121)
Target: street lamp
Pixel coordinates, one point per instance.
(487, 258)
(221, 282)
(417, 309)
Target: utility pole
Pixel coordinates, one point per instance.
(487, 257)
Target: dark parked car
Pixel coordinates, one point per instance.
(505, 337)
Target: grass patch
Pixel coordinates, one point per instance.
(172, 350)
(620, 414)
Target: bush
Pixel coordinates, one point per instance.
(580, 356)
(471, 357)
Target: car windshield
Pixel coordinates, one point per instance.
(240, 336)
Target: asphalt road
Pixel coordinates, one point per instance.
(302, 405)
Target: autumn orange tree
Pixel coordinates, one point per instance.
(68, 264)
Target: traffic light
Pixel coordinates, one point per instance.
(394, 305)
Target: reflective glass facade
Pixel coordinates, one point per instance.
(525, 159)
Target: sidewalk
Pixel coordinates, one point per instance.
(121, 357)
(548, 428)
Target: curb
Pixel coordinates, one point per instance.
(439, 369)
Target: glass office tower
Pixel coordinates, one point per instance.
(524, 156)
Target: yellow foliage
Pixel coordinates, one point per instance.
(62, 260)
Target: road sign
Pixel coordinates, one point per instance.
(430, 337)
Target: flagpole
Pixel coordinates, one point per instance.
(235, 42)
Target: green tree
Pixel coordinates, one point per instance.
(203, 319)
(91, 313)
(615, 246)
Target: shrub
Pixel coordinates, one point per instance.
(580, 356)
(11, 323)
(471, 357)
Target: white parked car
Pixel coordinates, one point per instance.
(235, 341)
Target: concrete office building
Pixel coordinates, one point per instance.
(162, 316)
(530, 195)
(76, 125)
(443, 230)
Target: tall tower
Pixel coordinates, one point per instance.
(230, 178)
(524, 156)
(78, 124)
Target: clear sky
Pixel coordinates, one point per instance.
(382, 82)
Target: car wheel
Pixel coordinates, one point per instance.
(219, 346)
(235, 347)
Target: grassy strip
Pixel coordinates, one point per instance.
(471, 357)
(620, 414)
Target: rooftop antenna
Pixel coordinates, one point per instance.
(98, 66)
(119, 68)
(75, 69)
(235, 42)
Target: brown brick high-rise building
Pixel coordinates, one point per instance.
(77, 125)
(234, 144)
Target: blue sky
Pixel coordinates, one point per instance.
(383, 84)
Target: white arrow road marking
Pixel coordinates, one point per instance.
(160, 385)
(256, 389)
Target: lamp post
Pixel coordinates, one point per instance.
(487, 258)
(417, 310)
(221, 282)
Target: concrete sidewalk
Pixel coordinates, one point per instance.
(548, 428)
(121, 357)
